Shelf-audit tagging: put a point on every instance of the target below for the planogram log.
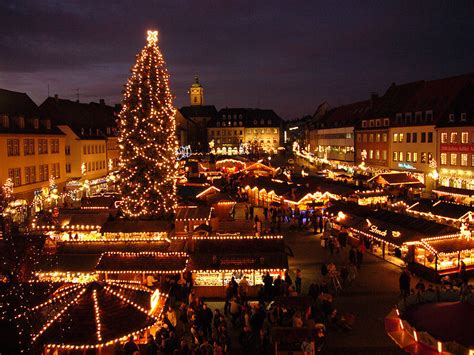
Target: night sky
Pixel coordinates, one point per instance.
(285, 55)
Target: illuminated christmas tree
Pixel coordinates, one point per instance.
(147, 141)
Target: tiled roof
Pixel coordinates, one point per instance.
(254, 246)
(86, 120)
(397, 179)
(68, 263)
(14, 103)
(344, 116)
(454, 190)
(462, 104)
(142, 261)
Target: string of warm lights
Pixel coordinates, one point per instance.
(147, 141)
(59, 314)
(97, 316)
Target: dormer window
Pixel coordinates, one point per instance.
(235, 123)
(378, 122)
(386, 122)
(218, 124)
(364, 124)
(82, 131)
(240, 116)
(5, 121)
(255, 122)
(90, 131)
(21, 122)
(371, 123)
(36, 123)
(241, 123)
(429, 116)
(109, 131)
(463, 117)
(223, 116)
(269, 122)
(418, 117)
(398, 117)
(451, 117)
(262, 121)
(235, 116)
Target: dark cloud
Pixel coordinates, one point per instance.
(286, 55)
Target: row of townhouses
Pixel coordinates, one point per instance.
(69, 141)
(229, 131)
(424, 127)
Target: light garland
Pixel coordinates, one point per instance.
(97, 316)
(147, 141)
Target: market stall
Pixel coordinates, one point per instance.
(454, 194)
(443, 212)
(140, 266)
(136, 229)
(214, 262)
(399, 183)
(91, 317)
(222, 204)
(444, 255)
(370, 197)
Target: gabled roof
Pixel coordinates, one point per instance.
(344, 116)
(13, 103)
(86, 120)
(441, 209)
(143, 226)
(462, 104)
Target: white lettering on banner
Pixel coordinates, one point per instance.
(374, 229)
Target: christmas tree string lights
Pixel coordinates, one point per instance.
(147, 141)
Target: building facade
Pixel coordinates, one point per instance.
(192, 120)
(243, 131)
(31, 149)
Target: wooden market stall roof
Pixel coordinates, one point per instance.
(248, 246)
(74, 220)
(193, 213)
(397, 179)
(74, 263)
(219, 197)
(136, 226)
(386, 225)
(192, 191)
(371, 193)
(149, 262)
(450, 245)
(89, 315)
(454, 191)
(241, 261)
(99, 202)
(441, 209)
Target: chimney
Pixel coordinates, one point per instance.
(56, 97)
(102, 102)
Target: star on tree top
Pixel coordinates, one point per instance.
(152, 37)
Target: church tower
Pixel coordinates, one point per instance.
(196, 93)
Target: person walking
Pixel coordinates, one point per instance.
(404, 283)
(298, 281)
(320, 224)
(130, 347)
(251, 212)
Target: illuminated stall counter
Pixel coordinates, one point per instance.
(392, 236)
(214, 262)
(444, 255)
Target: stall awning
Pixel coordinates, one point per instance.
(451, 245)
(397, 179)
(446, 190)
(76, 221)
(193, 213)
(149, 262)
(441, 209)
(253, 246)
(138, 226)
(210, 262)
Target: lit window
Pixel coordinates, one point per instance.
(377, 137)
(415, 157)
(384, 155)
(444, 137)
(359, 137)
(400, 138)
(424, 157)
(365, 137)
(409, 157)
(377, 154)
(453, 159)
(395, 156)
(464, 138)
(371, 137)
(395, 137)
(472, 160)
(454, 137)
(384, 136)
(400, 156)
(464, 159)
(444, 159)
(371, 154)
